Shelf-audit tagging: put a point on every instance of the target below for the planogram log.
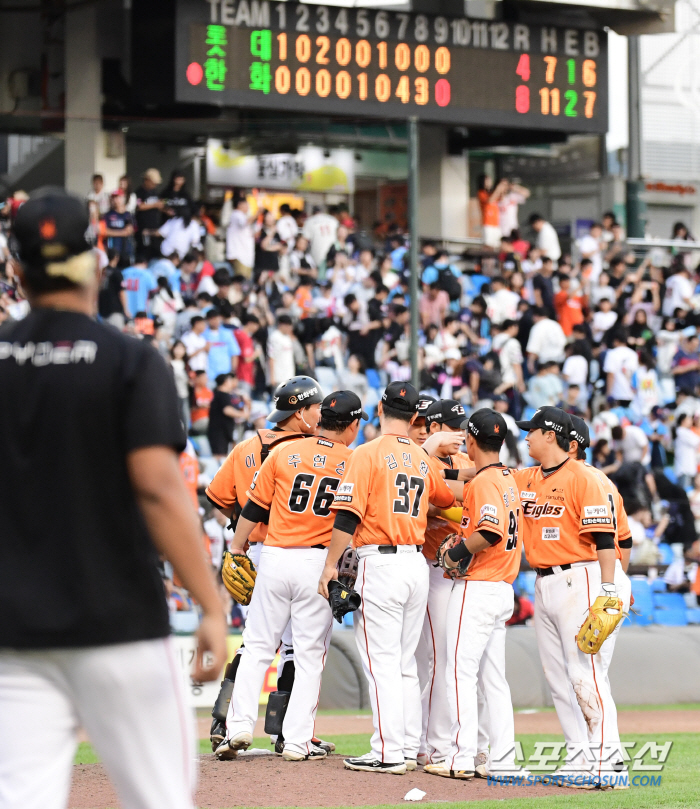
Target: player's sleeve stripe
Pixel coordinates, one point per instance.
(345, 507)
(258, 501)
(215, 501)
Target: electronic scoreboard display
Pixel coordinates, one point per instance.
(389, 64)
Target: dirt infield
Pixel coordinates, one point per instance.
(269, 781)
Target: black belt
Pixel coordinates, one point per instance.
(320, 547)
(550, 571)
(392, 548)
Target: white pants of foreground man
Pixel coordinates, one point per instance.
(476, 646)
(579, 682)
(130, 698)
(286, 588)
(431, 659)
(394, 590)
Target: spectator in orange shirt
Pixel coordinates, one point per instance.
(202, 395)
(568, 306)
(488, 202)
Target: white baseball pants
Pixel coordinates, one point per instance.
(579, 682)
(286, 649)
(286, 589)
(394, 590)
(130, 698)
(476, 658)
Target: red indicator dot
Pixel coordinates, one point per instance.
(442, 92)
(195, 74)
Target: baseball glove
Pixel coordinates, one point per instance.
(238, 573)
(347, 568)
(342, 600)
(605, 614)
(451, 541)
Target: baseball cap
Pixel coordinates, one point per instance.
(401, 396)
(488, 426)
(424, 404)
(153, 175)
(50, 235)
(580, 432)
(548, 418)
(446, 411)
(342, 405)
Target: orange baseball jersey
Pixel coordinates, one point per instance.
(388, 484)
(491, 503)
(438, 527)
(297, 484)
(559, 511)
(189, 466)
(231, 482)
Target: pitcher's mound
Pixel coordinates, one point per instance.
(270, 781)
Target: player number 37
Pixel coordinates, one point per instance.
(404, 487)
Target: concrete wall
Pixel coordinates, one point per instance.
(652, 665)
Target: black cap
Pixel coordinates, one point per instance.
(446, 411)
(401, 396)
(549, 418)
(580, 432)
(342, 405)
(424, 404)
(292, 395)
(488, 426)
(50, 229)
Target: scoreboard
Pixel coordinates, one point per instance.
(363, 62)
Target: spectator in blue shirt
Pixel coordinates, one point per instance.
(138, 285)
(223, 346)
(397, 252)
(167, 267)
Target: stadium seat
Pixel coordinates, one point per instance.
(666, 617)
(666, 553)
(670, 474)
(373, 379)
(643, 603)
(658, 586)
(669, 601)
(527, 582)
(528, 413)
(693, 616)
(641, 617)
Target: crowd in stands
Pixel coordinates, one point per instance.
(238, 299)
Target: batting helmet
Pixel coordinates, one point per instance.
(294, 394)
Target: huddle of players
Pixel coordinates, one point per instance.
(444, 632)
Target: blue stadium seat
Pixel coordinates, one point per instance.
(658, 586)
(373, 379)
(666, 617)
(640, 589)
(643, 603)
(669, 601)
(528, 579)
(693, 616)
(528, 413)
(666, 553)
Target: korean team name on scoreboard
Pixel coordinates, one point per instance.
(357, 62)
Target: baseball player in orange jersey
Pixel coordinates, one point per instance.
(485, 562)
(296, 415)
(294, 489)
(569, 539)
(385, 493)
(444, 416)
(575, 723)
